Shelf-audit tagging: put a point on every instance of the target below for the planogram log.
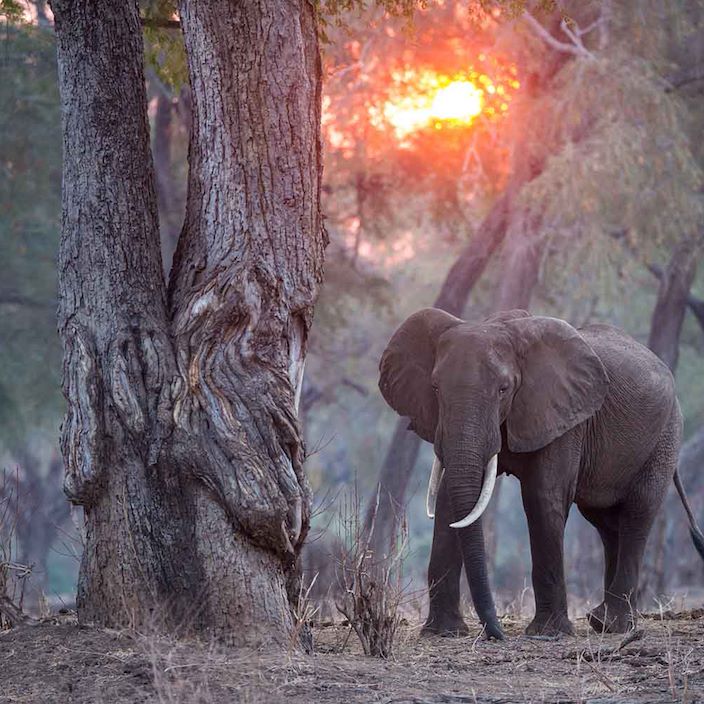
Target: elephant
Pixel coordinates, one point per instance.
(586, 416)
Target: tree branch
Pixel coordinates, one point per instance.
(695, 305)
(685, 76)
(575, 47)
(157, 23)
(17, 299)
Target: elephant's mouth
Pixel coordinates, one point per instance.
(484, 496)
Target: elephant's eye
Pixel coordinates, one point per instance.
(435, 388)
(503, 389)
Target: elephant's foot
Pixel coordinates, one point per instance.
(612, 617)
(446, 625)
(493, 630)
(550, 625)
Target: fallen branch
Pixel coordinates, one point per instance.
(590, 656)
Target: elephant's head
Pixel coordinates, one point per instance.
(459, 383)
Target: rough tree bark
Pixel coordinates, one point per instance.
(181, 438)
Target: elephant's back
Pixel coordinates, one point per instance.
(637, 408)
(633, 364)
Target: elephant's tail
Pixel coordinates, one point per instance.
(694, 529)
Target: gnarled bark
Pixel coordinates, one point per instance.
(181, 438)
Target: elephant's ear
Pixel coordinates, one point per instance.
(406, 367)
(563, 382)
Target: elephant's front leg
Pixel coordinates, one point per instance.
(444, 572)
(547, 503)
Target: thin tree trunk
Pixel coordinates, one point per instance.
(664, 339)
(181, 439)
(671, 305)
(691, 468)
(42, 19)
(520, 269)
(691, 462)
(39, 509)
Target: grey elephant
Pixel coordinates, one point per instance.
(583, 416)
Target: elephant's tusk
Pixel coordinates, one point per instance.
(433, 487)
(484, 496)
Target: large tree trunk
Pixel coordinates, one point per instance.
(245, 277)
(181, 438)
(39, 510)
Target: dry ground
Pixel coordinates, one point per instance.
(57, 661)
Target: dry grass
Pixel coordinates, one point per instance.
(59, 662)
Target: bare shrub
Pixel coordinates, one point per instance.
(304, 610)
(372, 589)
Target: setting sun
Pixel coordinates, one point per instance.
(422, 99)
(460, 101)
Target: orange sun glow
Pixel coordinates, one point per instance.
(425, 99)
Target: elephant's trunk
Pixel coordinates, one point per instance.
(469, 488)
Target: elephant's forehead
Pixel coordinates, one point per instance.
(482, 343)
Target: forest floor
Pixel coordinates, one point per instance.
(57, 661)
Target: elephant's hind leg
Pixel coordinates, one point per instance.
(606, 521)
(617, 613)
(444, 572)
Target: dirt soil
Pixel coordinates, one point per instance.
(57, 661)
